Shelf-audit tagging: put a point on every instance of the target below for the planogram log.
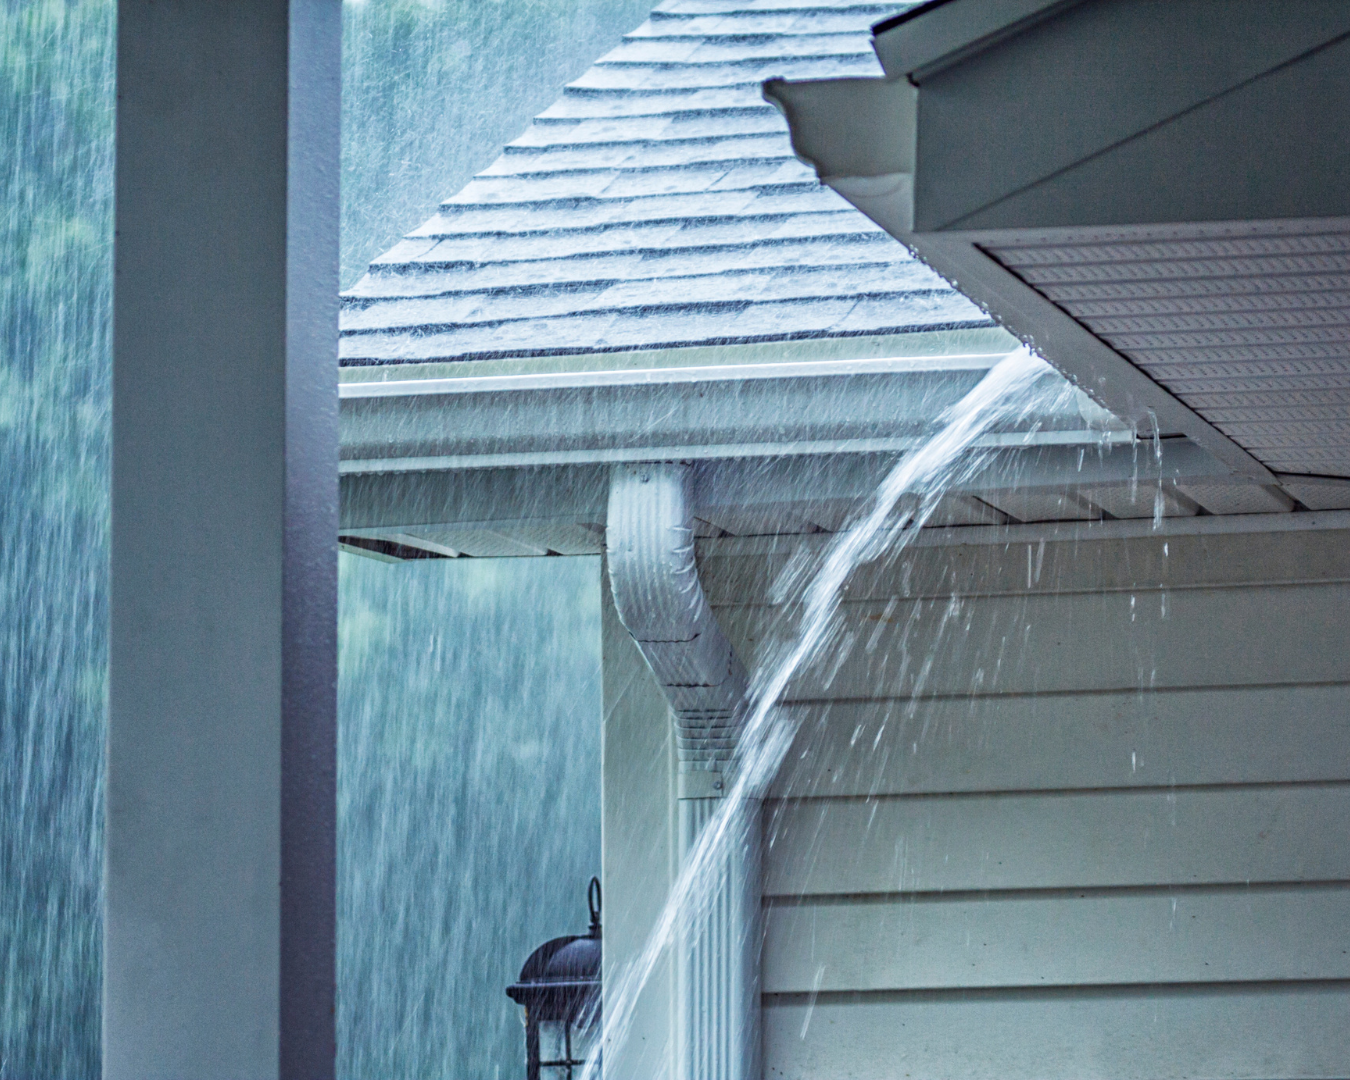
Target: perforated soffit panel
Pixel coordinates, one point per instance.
(1249, 326)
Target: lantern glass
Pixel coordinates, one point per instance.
(563, 1048)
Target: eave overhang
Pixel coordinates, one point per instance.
(496, 464)
(1152, 195)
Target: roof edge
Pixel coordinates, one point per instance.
(982, 339)
(920, 42)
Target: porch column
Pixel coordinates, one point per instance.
(220, 918)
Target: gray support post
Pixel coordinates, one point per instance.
(220, 919)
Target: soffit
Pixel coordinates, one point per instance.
(1248, 324)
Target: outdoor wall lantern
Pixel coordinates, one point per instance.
(559, 987)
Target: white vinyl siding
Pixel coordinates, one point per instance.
(1108, 838)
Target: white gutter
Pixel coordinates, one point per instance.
(562, 380)
(650, 547)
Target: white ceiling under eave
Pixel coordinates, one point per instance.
(1248, 326)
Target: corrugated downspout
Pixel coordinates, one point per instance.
(654, 579)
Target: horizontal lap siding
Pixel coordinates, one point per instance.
(1178, 936)
(1252, 1032)
(1247, 636)
(1059, 841)
(1070, 741)
(1106, 839)
(736, 570)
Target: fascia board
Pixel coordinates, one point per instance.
(662, 376)
(1240, 85)
(440, 497)
(577, 493)
(1268, 149)
(827, 407)
(926, 39)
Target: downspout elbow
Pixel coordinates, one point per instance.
(660, 600)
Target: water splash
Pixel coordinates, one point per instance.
(1019, 387)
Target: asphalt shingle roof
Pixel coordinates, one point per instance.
(657, 204)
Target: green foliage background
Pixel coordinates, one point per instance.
(468, 798)
(432, 88)
(56, 115)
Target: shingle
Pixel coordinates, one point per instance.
(656, 204)
(836, 252)
(815, 21)
(666, 234)
(890, 313)
(704, 7)
(574, 219)
(689, 124)
(750, 72)
(737, 48)
(656, 101)
(401, 312)
(641, 154)
(801, 197)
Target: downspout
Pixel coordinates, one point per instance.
(654, 579)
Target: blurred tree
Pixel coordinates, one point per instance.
(470, 700)
(469, 801)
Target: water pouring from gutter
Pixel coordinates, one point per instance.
(1017, 389)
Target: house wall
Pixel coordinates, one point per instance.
(1101, 833)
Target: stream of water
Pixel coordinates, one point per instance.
(1019, 387)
